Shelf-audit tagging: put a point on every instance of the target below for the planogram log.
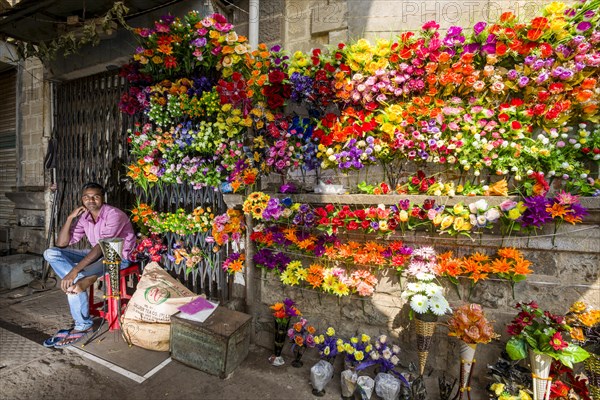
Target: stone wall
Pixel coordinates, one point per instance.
(34, 107)
(34, 127)
(316, 23)
(566, 269)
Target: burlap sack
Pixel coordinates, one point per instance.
(150, 336)
(157, 296)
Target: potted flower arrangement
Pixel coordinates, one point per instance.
(585, 322)
(426, 299)
(301, 335)
(543, 336)
(469, 324)
(321, 373)
(357, 350)
(282, 312)
(327, 343)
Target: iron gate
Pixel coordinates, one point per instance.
(91, 137)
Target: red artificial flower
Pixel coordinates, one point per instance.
(503, 118)
(275, 101)
(170, 62)
(534, 34)
(546, 50)
(557, 342)
(276, 76)
(559, 390)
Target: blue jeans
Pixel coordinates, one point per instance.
(62, 261)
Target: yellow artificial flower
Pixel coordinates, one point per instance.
(497, 388)
(555, 7)
(359, 356)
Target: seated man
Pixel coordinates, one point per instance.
(79, 269)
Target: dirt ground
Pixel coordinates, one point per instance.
(63, 374)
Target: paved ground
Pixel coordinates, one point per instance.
(27, 319)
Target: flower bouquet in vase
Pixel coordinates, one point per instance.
(301, 336)
(469, 324)
(426, 299)
(541, 336)
(585, 322)
(282, 312)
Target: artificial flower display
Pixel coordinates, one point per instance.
(468, 99)
(543, 333)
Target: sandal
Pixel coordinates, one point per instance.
(72, 338)
(57, 337)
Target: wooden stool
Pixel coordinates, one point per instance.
(111, 314)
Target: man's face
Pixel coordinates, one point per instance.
(92, 199)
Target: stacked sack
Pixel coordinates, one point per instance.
(147, 320)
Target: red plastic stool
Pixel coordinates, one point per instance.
(111, 314)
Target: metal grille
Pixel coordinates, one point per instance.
(91, 139)
(92, 146)
(8, 152)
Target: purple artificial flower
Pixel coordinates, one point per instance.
(523, 81)
(288, 188)
(535, 213)
(589, 14)
(489, 48)
(167, 19)
(583, 26)
(454, 31)
(512, 74)
(199, 42)
(479, 27)
(578, 211)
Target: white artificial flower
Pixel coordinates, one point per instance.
(382, 339)
(479, 205)
(481, 220)
(419, 303)
(424, 276)
(387, 353)
(396, 349)
(395, 360)
(431, 289)
(438, 305)
(492, 214)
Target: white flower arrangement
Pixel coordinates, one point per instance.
(424, 295)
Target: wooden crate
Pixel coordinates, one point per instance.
(216, 346)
